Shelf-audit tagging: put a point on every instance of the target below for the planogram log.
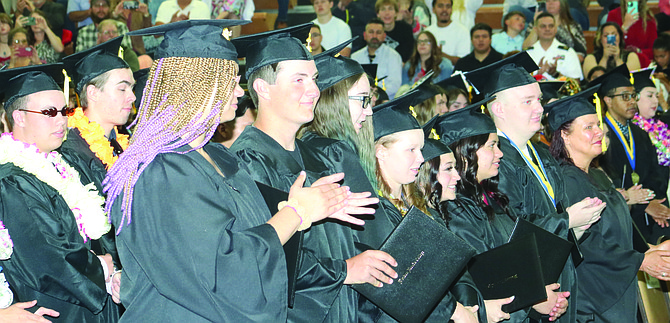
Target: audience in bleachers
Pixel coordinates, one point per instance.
(639, 28)
(399, 34)
(108, 29)
(23, 51)
(47, 44)
(53, 12)
(482, 54)
(79, 12)
(554, 58)
(315, 38)
(6, 24)
(610, 50)
(135, 19)
(511, 38)
(569, 32)
(415, 13)
(178, 10)
(426, 57)
(334, 31)
(387, 59)
(87, 36)
(451, 36)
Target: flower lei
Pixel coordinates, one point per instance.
(84, 201)
(94, 135)
(660, 136)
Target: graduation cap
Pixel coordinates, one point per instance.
(370, 70)
(570, 108)
(394, 116)
(432, 147)
(273, 47)
(455, 81)
(141, 77)
(550, 89)
(642, 79)
(19, 82)
(464, 123)
(425, 89)
(194, 38)
(334, 68)
(508, 73)
(86, 65)
(617, 77)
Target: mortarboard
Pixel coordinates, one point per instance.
(642, 79)
(432, 147)
(86, 65)
(617, 77)
(570, 108)
(394, 116)
(508, 73)
(334, 68)
(141, 77)
(273, 47)
(464, 123)
(194, 38)
(22, 81)
(425, 89)
(550, 89)
(455, 81)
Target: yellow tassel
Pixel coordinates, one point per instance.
(434, 134)
(384, 85)
(483, 109)
(376, 81)
(599, 113)
(120, 52)
(411, 110)
(632, 79)
(66, 87)
(227, 33)
(309, 40)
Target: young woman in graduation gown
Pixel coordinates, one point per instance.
(479, 212)
(398, 144)
(613, 249)
(220, 257)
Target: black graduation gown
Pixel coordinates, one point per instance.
(51, 262)
(652, 175)
(320, 292)
(608, 274)
(198, 248)
(463, 290)
(471, 223)
(76, 152)
(527, 199)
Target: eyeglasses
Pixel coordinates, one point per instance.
(20, 41)
(314, 35)
(367, 100)
(423, 42)
(110, 33)
(52, 112)
(627, 96)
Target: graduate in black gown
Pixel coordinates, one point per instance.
(104, 82)
(398, 142)
(608, 274)
(220, 256)
(48, 214)
(529, 176)
(281, 77)
(631, 158)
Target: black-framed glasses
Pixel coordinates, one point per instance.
(52, 112)
(627, 96)
(367, 100)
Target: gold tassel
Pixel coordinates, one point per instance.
(599, 113)
(632, 79)
(120, 52)
(411, 110)
(227, 33)
(483, 109)
(434, 134)
(309, 40)
(66, 88)
(384, 85)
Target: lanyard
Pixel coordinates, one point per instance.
(539, 171)
(629, 147)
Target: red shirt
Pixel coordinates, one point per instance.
(636, 36)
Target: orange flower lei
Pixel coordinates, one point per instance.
(94, 135)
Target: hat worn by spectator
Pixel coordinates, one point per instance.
(22, 81)
(86, 65)
(274, 46)
(508, 73)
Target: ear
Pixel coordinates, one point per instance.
(608, 101)
(497, 109)
(566, 138)
(19, 118)
(262, 89)
(381, 152)
(91, 93)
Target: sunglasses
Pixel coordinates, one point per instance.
(52, 112)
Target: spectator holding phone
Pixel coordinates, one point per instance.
(136, 15)
(6, 24)
(51, 11)
(47, 44)
(609, 50)
(639, 27)
(23, 53)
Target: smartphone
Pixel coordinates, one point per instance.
(611, 39)
(29, 22)
(25, 52)
(542, 6)
(631, 7)
(131, 5)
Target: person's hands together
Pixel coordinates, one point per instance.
(372, 267)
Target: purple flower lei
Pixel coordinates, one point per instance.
(660, 137)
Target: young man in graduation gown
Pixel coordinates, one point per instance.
(104, 83)
(47, 214)
(631, 158)
(282, 84)
(529, 175)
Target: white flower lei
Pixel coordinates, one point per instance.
(84, 201)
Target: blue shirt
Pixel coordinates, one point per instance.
(504, 44)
